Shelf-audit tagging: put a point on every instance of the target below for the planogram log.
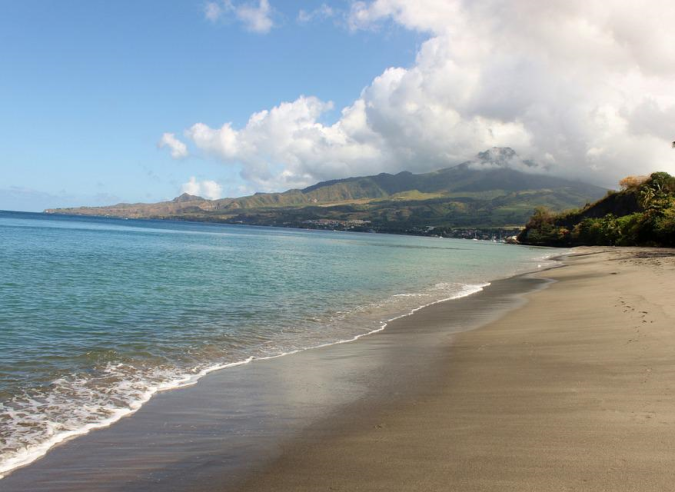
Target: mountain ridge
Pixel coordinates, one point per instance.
(495, 179)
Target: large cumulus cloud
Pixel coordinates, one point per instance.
(585, 87)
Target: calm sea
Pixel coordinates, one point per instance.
(98, 314)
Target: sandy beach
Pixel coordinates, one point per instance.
(573, 391)
(562, 380)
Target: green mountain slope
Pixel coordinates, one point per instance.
(488, 192)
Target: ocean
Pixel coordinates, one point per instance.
(98, 314)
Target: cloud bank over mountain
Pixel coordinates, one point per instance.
(583, 88)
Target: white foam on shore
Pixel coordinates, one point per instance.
(33, 452)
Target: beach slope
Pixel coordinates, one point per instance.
(573, 391)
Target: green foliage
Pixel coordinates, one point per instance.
(664, 227)
(629, 227)
(542, 229)
(649, 222)
(663, 182)
(597, 231)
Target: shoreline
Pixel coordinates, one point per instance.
(67, 453)
(188, 380)
(262, 226)
(571, 391)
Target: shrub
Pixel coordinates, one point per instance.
(652, 223)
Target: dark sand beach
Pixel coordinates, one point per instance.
(567, 384)
(573, 391)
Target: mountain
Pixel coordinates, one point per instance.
(641, 214)
(186, 197)
(496, 189)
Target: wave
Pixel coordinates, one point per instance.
(131, 393)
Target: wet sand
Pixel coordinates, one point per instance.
(573, 391)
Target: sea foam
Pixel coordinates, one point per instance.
(131, 394)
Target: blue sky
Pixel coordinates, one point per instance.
(106, 101)
(89, 88)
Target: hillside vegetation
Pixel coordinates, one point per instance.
(641, 214)
(485, 192)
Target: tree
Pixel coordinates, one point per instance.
(632, 182)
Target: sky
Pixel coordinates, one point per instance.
(104, 102)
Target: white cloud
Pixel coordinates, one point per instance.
(255, 17)
(178, 149)
(421, 15)
(584, 86)
(321, 13)
(205, 189)
(213, 11)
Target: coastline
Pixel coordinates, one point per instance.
(565, 385)
(572, 391)
(263, 401)
(157, 334)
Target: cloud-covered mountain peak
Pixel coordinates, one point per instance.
(506, 158)
(500, 156)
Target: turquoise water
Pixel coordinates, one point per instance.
(97, 314)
